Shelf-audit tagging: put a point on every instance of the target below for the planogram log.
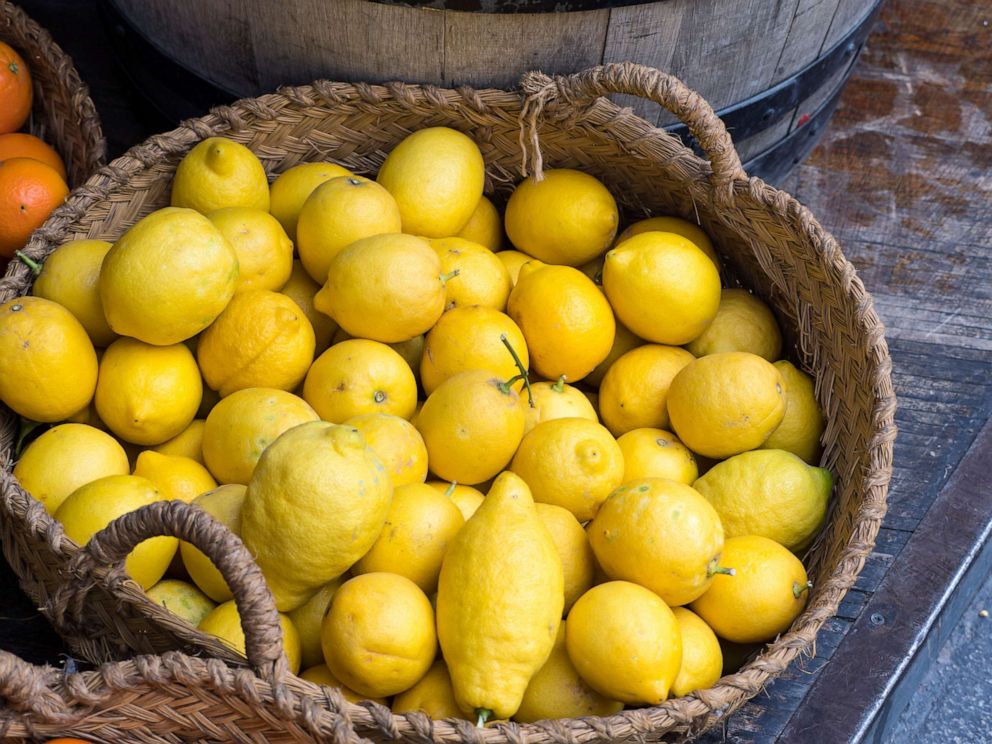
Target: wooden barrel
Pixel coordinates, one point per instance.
(772, 66)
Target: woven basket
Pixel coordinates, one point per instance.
(769, 242)
(63, 114)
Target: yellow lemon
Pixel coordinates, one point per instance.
(71, 277)
(568, 217)
(571, 462)
(262, 339)
(436, 176)
(308, 619)
(471, 424)
(474, 276)
(360, 376)
(660, 534)
(485, 226)
(168, 277)
(48, 367)
(301, 289)
(378, 636)
(224, 622)
(66, 457)
(87, 415)
(466, 498)
(803, 425)
(656, 453)
(321, 675)
(691, 232)
(220, 173)
(91, 507)
(176, 478)
(397, 444)
(766, 593)
(634, 391)
(265, 252)
(662, 287)
(496, 633)
(147, 394)
(183, 599)
(556, 400)
(187, 443)
(223, 504)
(594, 270)
(471, 338)
(419, 527)
(243, 424)
(386, 288)
(302, 533)
(625, 643)
(742, 323)
(623, 341)
(338, 213)
(566, 320)
(210, 398)
(771, 493)
(557, 691)
(292, 188)
(513, 260)
(702, 659)
(432, 695)
(726, 403)
(577, 561)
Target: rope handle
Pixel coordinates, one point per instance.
(584, 87)
(111, 546)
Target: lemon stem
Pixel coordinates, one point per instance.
(505, 386)
(798, 589)
(451, 489)
(714, 568)
(484, 714)
(559, 387)
(29, 262)
(450, 275)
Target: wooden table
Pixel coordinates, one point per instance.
(904, 180)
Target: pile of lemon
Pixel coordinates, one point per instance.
(486, 483)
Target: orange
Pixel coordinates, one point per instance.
(23, 145)
(15, 90)
(29, 191)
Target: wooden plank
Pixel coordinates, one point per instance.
(807, 32)
(849, 14)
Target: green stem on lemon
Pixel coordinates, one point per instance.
(29, 262)
(483, 715)
(451, 489)
(559, 387)
(714, 568)
(505, 386)
(798, 589)
(450, 275)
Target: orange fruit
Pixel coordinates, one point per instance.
(23, 145)
(29, 191)
(15, 90)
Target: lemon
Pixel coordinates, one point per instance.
(802, 426)
(338, 213)
(243, 424)
(702, 659)
(660, 534)
(397, 444)
(568, 217)
(321, 675)
(419, 527)
(566, 320)
(223, 504)
(87, 415)
(386, 288)
(691, 232)
(70, 276)
(555, 400)
(168, 277)
(662, 287)
(411, 350)
(176, 478)
(262, 339)
(91, 507)
(656, 453)
(634, 391)
(265, 252)
(496, 632)
(771, 493)
(623, 341)
(557, 690)
(471, 338)
(66, 457)
(301, 532)
(513, 260)
(378, 636)
(436, 176)
(220, 173)
(48, 367)
(485, 226)
(182, 599)
(210, 398)
(572, 544)
(360, 376)
(726, 403)
(594, 270)
(624, 642)
(742, 323)
(187, 443)
(291, 189)
(571, 462)
(224, 622)
(466, 498)
(766, 593)
(432, 695)
(308, 619)
(471, 424)
(147, 394)
(474, 275)
(301, 289)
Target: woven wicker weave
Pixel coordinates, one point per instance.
(63, 114)
(769, 242)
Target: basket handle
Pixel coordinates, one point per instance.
(645, 82)
(111, 546)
